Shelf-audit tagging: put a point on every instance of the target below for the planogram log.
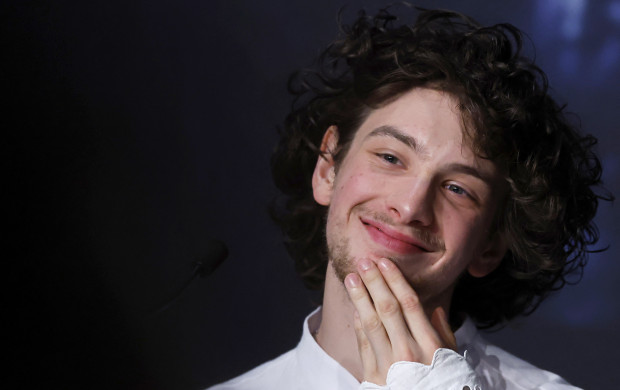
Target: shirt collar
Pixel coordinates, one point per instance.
(465, 335)
(314, 360)
(319, 368)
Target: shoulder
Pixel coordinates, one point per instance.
(503, 370)
(268, 376)
(295, 369)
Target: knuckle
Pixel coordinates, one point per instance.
(359, 329)
(388, 307)
(356, 294)
(371, 277)
(411, 303)
(363, 343)
(371, 324)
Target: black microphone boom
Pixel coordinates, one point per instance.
(217, 252)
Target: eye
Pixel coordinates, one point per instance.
(456, 189)
(389, 158)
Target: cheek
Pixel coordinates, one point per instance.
(354, 188)
(462, 232)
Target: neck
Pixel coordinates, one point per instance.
(336, 334)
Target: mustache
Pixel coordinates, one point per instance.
(430, 240)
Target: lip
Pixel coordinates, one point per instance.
(392, 239)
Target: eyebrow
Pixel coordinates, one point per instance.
(412, 143)
(393, 132)
(471, 171)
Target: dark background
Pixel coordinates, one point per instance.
(136, 131)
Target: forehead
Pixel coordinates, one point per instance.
(431, 117)
(427, 122)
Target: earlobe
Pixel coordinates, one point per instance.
(490, 258)
(325, 170)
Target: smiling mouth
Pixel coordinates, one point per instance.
(393, 240)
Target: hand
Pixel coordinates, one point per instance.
(390, 322)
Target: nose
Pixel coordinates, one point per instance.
(411, 202)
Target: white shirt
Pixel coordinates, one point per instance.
(309, 367)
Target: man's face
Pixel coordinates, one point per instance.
(410, 190)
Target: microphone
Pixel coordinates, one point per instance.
(217, 252)
(215, 255)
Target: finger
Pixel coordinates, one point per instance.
(371, 323)
(386, 306)
(369, 362)
(439, 319)
(417, 321)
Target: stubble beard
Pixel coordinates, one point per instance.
(339, 249)
(340, 258)
(343, 262)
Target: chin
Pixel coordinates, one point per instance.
(342, 267)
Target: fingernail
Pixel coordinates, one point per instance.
(385, 264)
(364, 264)
(352, 281)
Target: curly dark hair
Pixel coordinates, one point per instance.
(508, 117)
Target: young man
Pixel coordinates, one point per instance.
(432, 186)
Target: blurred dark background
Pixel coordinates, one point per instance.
(136, 131)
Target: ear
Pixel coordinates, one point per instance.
(490, 258)
(325, 170)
